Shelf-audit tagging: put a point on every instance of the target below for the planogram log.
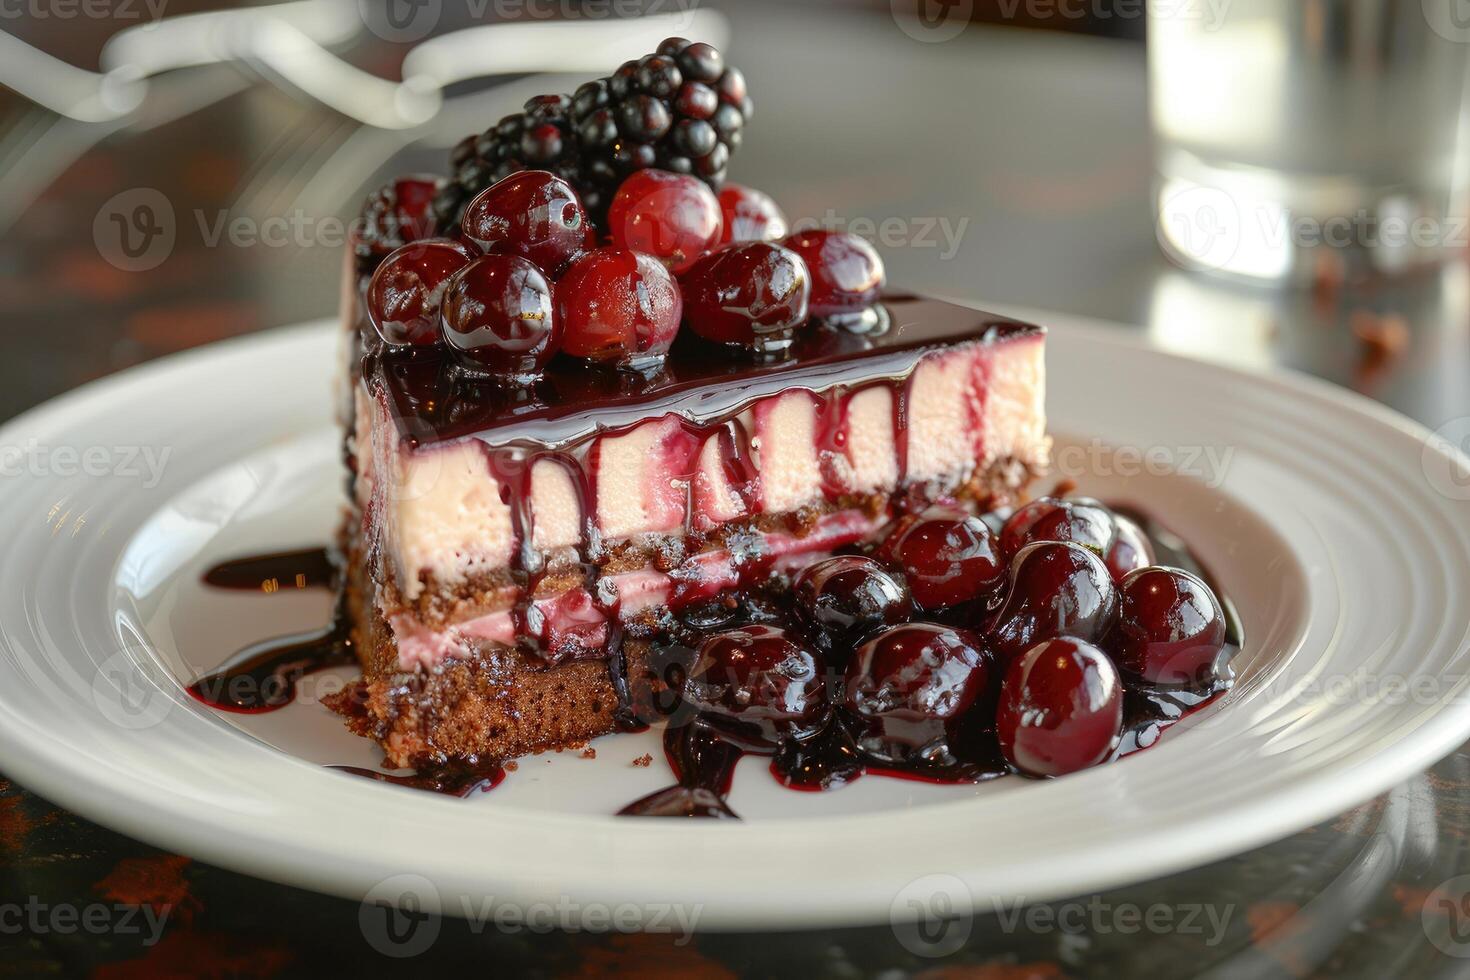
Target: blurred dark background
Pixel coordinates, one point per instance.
(1012, 155)
(1024, 135)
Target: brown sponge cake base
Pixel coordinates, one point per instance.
(497, 705)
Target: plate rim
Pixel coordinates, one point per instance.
(1243, 827)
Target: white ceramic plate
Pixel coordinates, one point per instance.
(1341, 531)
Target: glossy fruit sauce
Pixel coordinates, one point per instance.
(849, 671)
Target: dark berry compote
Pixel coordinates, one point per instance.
(958, 649)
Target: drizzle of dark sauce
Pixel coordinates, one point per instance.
(454, 779)
(703, 764)
(263, 676)
(625, 717)
(307, 568)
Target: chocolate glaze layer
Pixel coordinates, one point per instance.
(433, 401)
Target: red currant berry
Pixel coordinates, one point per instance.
(947, 561)
(758, 685)
(1061, 708)
(750, 215)
(1171, 629)
(533, 214)
(498, 316)
(405, 291)
(847, 274)
(751, 294)
(674, 217)
(1056, 588)
(618, 307)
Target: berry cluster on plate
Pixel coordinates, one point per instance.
(600, 234)
(1022, 633)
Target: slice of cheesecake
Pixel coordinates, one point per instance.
(510, 548)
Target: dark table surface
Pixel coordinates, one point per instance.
(1032, 146)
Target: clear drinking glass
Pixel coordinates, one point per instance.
(1301, 138)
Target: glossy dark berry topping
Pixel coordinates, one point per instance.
(1056, 588)
(539, 138)
(758, 685)
(701, 62)
(399, 212)
(1171, 629)
(498, 317)
(751, 295)
(848, 596)
(533, 214)
(1131, 548)
(644, 118)
(405, 292)
(618, 307)
(847, 274)
(750, 215)
(910, 687)
(673, 217)
(1081, 521)
(641, 116)
(946, 560)
(1061, 708)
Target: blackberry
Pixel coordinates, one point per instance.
(681, 109)
(538, 138)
